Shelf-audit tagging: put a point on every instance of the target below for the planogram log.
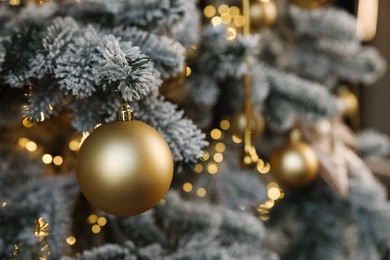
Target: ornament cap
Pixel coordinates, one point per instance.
(295, 135)
(125, 113)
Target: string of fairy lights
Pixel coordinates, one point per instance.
(210, 164)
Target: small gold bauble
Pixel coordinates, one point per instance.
(238, 124)
(311, 4)
(124, 168)
(263, 14)
(349, 104)
(295, 163)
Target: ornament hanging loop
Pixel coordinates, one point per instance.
(125, 113)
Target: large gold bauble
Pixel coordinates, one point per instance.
(238, 124)
(124, 168)
(263, 14)
(294, 164)
(349, 104)
(311, 4)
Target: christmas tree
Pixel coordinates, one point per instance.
(255, 117)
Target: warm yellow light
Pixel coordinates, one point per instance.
(231, 34)
(3, 204)
(26, 123)
(85, 135)
(31, 146)
(234, 11)
(265, 169)
(14, 2)
(239, 21)
(96, 229)
(224, 124)
(269, 203)
(198, 168)
(50, 107)
(218, 157)
(102, 221)
(74, 145)
(260, 165)
(272, 185)
(212, 168)
(222, 9)
(47, 158)
(22, 142)
(201, 192)
(216, 134)
(220, 147)
(205, 156)
(92, 219)
(264, 217)
(236, 139)
(367, 19)
(216, 20)
(58, 160)
(71, 240)
(41, 228)
(187, 187)
(274, 193)
(42, 116)
(188, 71)
(226, 18)
(209, 11)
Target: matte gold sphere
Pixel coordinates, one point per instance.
(124, 168)
(349, 103)
(311, 4)
(294, 164)
(238, 124)
(263, 14)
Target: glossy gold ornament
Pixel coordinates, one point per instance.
(295, 163)
(349, 104)
(311, 4)
(124, 168)
(262, 14)
(238, 124)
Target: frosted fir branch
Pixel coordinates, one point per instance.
(75, 67)
(49, 198)
(43, 100)
(153, 15)
(167, 54)
(20, 44)
(372, 143)
(302, 97)
(106, 252)
(366, 66)
(326, 23)
(183, 137)
(226, 58)
(317, 208)
(55, 40)
(189, 230)
(85, 118)
(188, 31)
(232, 187)
(203, 89)
(126, 69)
